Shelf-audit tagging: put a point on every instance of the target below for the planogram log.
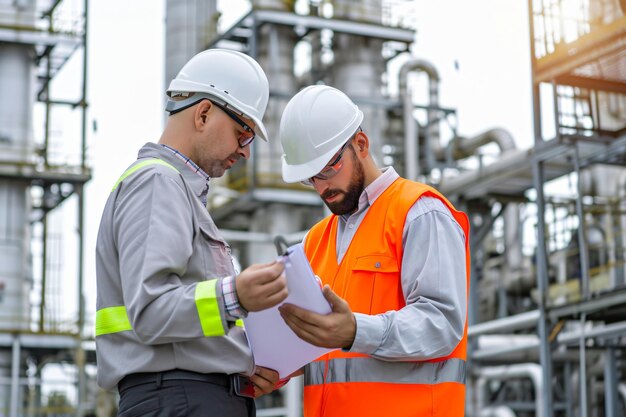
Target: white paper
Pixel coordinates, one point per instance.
(274, 345)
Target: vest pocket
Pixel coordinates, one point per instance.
(374, 284)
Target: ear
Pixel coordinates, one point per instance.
(201, 114)
(361, 144)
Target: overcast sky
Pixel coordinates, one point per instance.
(480, 49)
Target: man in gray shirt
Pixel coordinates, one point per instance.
(394, 256)
(169, 334)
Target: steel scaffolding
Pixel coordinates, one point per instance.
(53, 33)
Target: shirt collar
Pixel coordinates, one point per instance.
(197, 179)
(375, 189)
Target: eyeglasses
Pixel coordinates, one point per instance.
(330, 170)
(247, 136)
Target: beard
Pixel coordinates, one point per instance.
(350, 201)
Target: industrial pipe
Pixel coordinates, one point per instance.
(530, 344)
(500, 373)
(517, 322)
(462, 147)
(505, 167)
(498, 411)
(411, 148)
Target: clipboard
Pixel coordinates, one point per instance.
(274, 345)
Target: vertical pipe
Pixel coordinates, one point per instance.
(83, 157)
(542, 269)
(545, 353)
(610, 383)
(567, 390)
(582, 236)
(557, 114)
(80, 354)
(583, 367)
(44, 268)
(411, 147)
(46, 140)
(533, 66)
(618, 269)
(254, 152)
(15, 377)
(80, 362)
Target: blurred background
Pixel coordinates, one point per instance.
(515, 110)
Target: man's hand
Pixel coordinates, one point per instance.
(334, 330)
(261, 286)
(265, 380)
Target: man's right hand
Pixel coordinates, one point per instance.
(261, 286)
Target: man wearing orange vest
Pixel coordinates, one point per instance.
(394, 258)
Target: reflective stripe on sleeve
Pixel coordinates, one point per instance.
(138, 166)
(208, 308)
(374, 370)
(112, 320)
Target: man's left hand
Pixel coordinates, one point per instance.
(334, 330)
(264, 380)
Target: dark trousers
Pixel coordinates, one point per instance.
(163, 397)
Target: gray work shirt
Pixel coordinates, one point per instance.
(433, 279)
(156, 242)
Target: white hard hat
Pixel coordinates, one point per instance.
(230, 76)
(315, 124)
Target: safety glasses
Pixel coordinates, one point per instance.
(330, 170)
(247, 136)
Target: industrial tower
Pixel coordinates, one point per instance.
(42, 173)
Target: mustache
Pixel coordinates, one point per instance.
(329, 193)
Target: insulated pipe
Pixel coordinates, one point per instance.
(411, 154)
(566, 338)
(517, 322)
(500, 373)
(498, 411)
(462, 147)
(506, 167)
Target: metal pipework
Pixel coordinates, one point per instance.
(499, 411)
(411, 148)
(504, 166)
(524, 370)
(462, 147)
(528, 343)
(517, 322)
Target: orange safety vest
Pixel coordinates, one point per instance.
(342, 384)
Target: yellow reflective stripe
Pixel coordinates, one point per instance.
(239, 323)
(138, 166)
(208, 308)
(112, 320)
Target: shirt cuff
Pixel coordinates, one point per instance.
(234, 310)
(369, 333)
